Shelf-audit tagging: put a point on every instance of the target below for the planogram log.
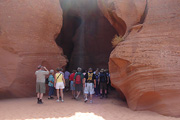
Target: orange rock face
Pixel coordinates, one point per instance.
(27, 38)
(145, 67)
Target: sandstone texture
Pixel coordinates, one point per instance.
(146, 66)
(123, 14)
(28, 30)
(86, 34)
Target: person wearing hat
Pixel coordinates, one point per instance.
(40, 82)
(51, 84)
(89, 84)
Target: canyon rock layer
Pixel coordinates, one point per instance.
(28, 30)
(145, 66)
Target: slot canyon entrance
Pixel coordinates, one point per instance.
(86, 35)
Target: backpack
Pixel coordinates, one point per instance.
(103, 77)
(78, 79)
(46, 80)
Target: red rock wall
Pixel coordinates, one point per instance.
(145, 67)
(27, 38)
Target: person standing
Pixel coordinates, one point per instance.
(66, 76)
(72, 87)
(97, 90)
(103, 83)
(78, 78)
(89, 83)
(59, 82)
(51, 84)
(40, 82)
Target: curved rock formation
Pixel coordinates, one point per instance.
(28, 30)
(123, 14)
(145, 67)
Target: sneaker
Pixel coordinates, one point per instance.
(40, 101)
(37, 100)
(57, 100)
(62, 100)
(52, 97)
(85, 100)
(49, 98)
(76, 97)
(91, 101)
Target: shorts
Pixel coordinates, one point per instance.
(89, 88)
(67, 82)
(40, 87)
(72, 85)
(103, 85)
(78, 87)
(59, 85)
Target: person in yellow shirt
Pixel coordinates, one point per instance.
(59, 83)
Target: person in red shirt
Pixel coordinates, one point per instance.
(72, 86)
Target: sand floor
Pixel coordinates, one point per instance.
(111, 108)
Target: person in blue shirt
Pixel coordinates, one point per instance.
(51, 84)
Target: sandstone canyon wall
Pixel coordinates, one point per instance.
(28, 30)
(146, 66)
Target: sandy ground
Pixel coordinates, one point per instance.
(111, 108)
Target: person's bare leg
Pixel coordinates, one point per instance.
(105, 91)
(85, 95)
(57, 93)
(85, 100)
(62, 96)
(38, 95)
(90, 96)
(41, 96)
(101, 94)
(78, 93)
(101, 91)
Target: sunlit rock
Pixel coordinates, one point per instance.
(145, 66)
(28, 30)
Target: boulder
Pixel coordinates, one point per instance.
(28, 30)
(145, 66)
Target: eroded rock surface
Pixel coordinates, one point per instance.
(27, 38)
(145, 67)
(123, 14)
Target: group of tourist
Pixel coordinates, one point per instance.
(89, 82)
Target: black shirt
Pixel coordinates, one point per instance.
(90, 77)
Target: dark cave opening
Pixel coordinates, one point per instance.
(65, 39)
(86, 35)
